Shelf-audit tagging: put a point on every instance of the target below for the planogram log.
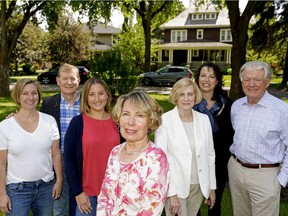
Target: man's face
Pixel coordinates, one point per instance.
(68, 81)
(254, 85)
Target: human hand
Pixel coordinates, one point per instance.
(5, 204)
(175, 206)
(83, 203)
(11, 114)
(212, 199)
(57, 189)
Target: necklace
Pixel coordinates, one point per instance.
(135, 152)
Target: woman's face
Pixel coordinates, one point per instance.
(186, 99)
(133, 123)
(207, 80)
(29, 97)
(97, 98)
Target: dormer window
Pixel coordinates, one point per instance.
(197, 16)
(210, 16)
(178, 35)
(206, 16)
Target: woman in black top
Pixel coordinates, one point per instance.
(217, 105)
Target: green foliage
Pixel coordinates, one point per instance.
(70, 42)
(131, 45)
(28, 69)
(119, 74)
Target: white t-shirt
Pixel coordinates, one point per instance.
(29, 154)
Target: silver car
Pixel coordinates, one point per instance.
(166, 75)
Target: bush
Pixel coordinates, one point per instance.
(121, 76)
(28, 69)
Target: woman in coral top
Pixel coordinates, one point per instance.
(88, 141)
(135, 181)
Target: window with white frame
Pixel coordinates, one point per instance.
(195, 53)
(225, 35)
(178, 35)
(199, 34)
(197, 16)
(210, 16)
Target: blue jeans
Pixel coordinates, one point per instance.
(61, 205)
(36, 195)
(93, 201)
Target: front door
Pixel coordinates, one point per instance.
(179, 57)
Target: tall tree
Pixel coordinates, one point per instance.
(148, 11)
(239, 28)
(8, 43)
(239, 23)
(270, 34)
(28, 8)
(70, 42)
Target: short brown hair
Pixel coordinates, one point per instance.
(146, 105)
(180, 86)
(18, 89)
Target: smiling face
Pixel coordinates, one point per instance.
(186, 99)
(254, 85)
(29, 97)
(68, 81)
(207, 79)
(133, 123)
(97, 98)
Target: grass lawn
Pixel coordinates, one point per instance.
(7, 106)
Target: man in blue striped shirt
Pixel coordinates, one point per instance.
(63, 107)
(258, 166)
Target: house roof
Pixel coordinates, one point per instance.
(197, 45)
(103, 29)
(183, 20)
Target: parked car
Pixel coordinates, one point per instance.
(50, 76)
(166, 75)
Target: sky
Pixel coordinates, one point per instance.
(117, 18)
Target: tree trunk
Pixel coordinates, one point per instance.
(147, 35)
(239, 27)
(4, 60)
(285, 69)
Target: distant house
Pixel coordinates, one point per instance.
(104, 37)
(196, 36)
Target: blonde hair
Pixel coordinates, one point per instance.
(84, 106)
(68, 67)
(146, 105)
(18, 89)
(179, 88)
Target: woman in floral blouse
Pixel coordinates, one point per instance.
(135, 181)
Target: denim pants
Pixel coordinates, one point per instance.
(93, 201)
(61, 205)
(36, 195)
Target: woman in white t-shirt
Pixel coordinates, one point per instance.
(29, 150)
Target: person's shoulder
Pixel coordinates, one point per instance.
(199, 114)
(6, 122)
(51, 98)
(46, 117)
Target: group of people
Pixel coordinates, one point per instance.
(77, 155)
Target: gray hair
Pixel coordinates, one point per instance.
(257, 65)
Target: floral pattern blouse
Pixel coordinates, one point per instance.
(138, 188)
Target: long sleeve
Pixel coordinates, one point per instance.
(72, 149)
(138, 188)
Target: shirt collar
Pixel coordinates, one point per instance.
(264, 101)
(75, 102)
